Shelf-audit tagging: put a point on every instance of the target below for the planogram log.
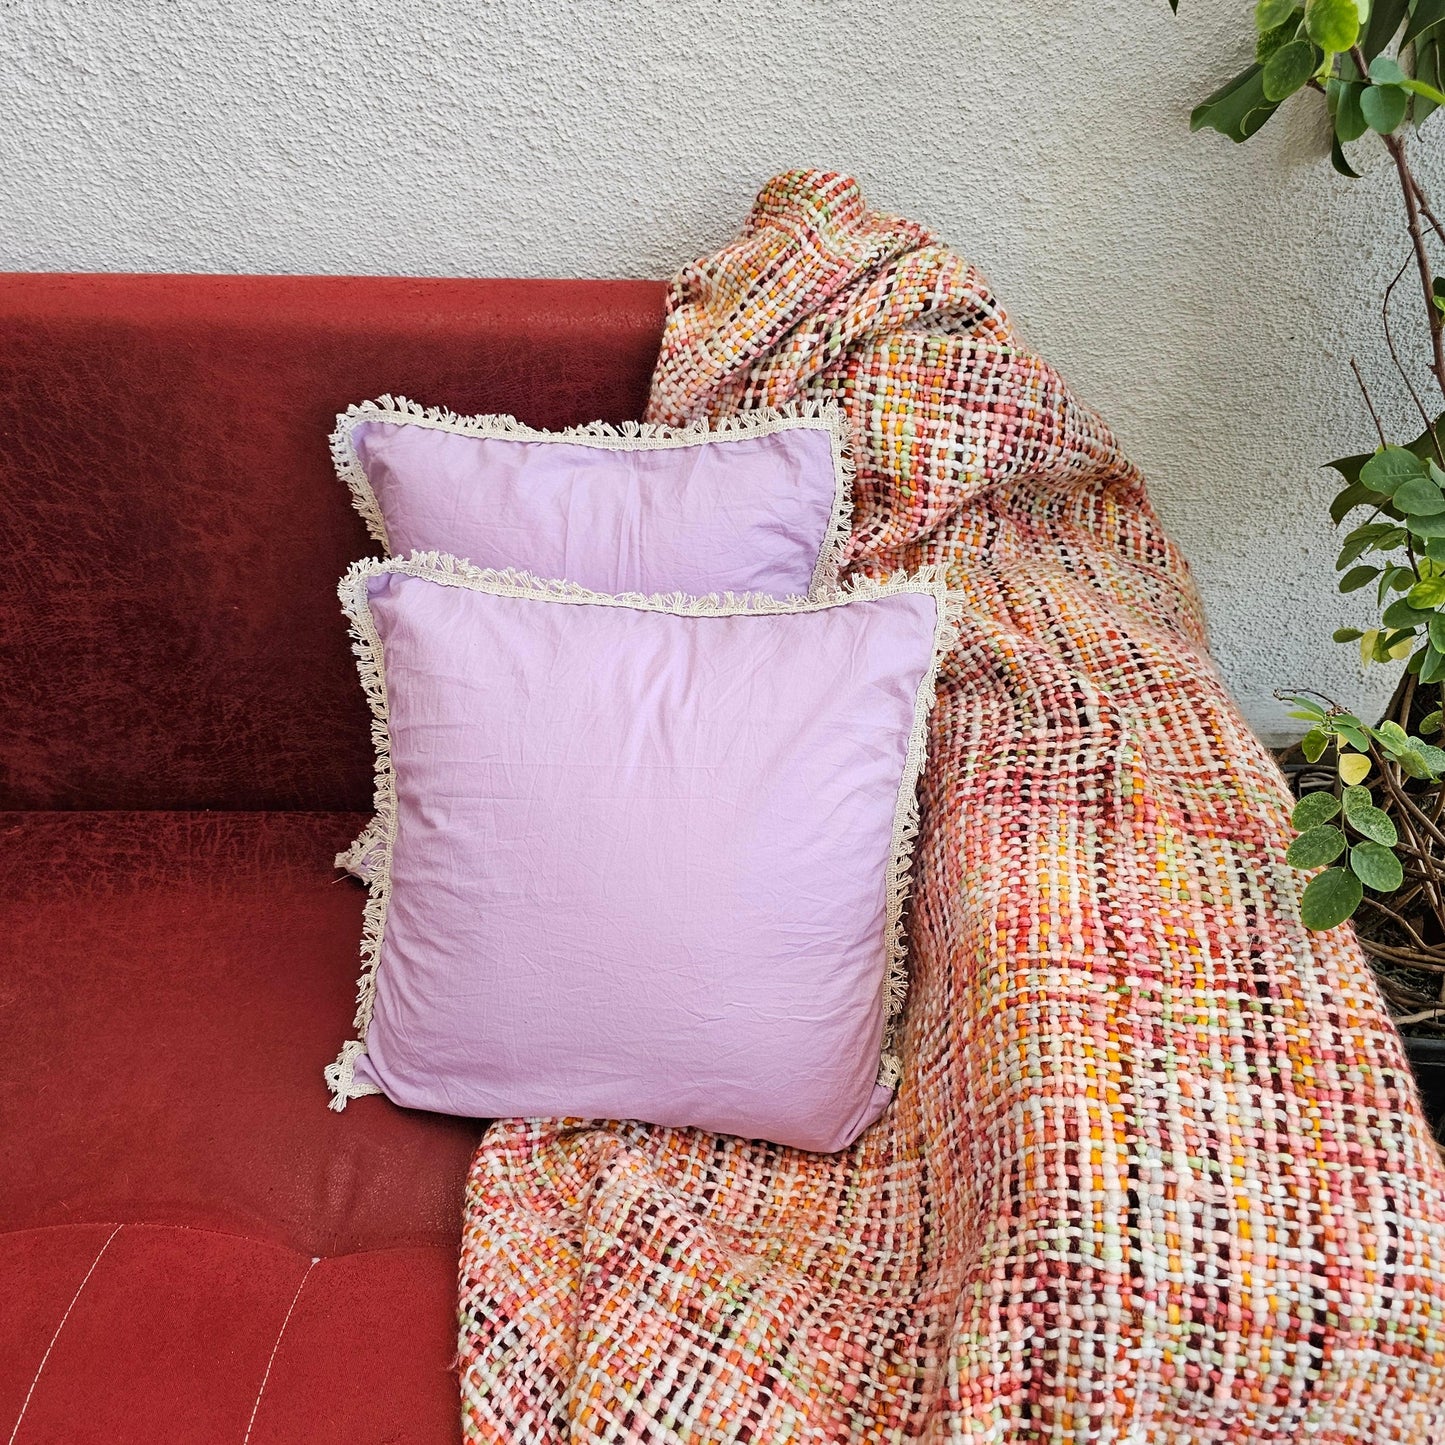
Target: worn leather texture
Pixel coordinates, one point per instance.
(173, 530)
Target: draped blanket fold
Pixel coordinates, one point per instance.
(1156, 1171)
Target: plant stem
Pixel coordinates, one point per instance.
(1425, 210)
(1414, 200)
(1369, 405)
(1408, 185)
(1400, 365)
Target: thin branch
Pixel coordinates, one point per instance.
(1369, 405)
(1414, 937)
(1400, 365)
(1424, 204)
(1396, 148)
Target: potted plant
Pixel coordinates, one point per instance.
(1370, 820)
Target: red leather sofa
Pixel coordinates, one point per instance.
(193, 1248)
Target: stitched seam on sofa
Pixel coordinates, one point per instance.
(45, 1358)
(271, 1359)
(449, 571)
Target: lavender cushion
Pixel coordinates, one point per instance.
(759, 503)
(639, 857)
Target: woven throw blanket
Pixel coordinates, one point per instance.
(1157, 1171)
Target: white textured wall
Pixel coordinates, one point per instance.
(1203, 296)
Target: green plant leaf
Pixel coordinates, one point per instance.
(1330, 899)
(1238, 108)
(1354, 734)
(1394, 579)
(1430, 71)
(1313, 744)
(1349, 467)
(1391, 736)
(1376, 867)
(1432, 665)
(1385, 70)
(1289, 68)
(1420, 496)
(1384, 107)
(1347, 634)
(1269, 14)
(1425, 15)
(1366, 819)
(1421, 88)
(1384, 21)
(1389, 467)
(1316, 847)
(1413, 765)
(1338, 161)
(1350, 122)
(1400, 614)
(1432, 757)
(1430, 442)
(1426, 595)
(1356, 494)
(1271, 41)
(1427, 527)
(1358, 577)
(1355, 542)
(1314, 809)
(1431, 722)
(1333, 25)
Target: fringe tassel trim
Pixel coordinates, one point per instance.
(450, 571)
(811, 413)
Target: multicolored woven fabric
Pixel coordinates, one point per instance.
(1156, 1172)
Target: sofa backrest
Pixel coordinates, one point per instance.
(173, 530)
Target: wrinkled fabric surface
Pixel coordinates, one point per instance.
(641, 857)
(613, 513)
(1157, 1172)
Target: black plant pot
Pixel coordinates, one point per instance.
(1427, 1059)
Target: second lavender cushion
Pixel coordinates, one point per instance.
(639, 857)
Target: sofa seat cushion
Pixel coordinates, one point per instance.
(173, 985)
(162, 1333)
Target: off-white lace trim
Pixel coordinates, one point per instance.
(449, 571)
(628, 436)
